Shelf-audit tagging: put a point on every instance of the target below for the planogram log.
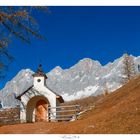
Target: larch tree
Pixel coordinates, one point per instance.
(106, 90)
(16, 22)
(128, 68)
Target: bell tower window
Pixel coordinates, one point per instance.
(38, 80)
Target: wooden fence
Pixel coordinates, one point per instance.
(63, 113)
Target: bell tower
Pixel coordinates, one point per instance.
(39, 78)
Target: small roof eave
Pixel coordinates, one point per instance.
(19, 96)
(60, 98)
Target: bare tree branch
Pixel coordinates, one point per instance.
(20, 23)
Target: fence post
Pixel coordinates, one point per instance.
(49, 119)
(77, 111)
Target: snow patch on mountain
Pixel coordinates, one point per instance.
(88, 91)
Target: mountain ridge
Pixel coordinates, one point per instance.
(86, 78)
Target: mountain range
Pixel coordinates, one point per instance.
(86, 78)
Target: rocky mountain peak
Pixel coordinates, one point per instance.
(86, 78)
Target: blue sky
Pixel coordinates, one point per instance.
(73, 33)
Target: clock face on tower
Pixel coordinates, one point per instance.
(38, 80)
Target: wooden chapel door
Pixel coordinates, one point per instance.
(41, 111)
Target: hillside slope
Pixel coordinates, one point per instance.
(116, 113)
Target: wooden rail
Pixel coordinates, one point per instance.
(62, 111)
(65, 106)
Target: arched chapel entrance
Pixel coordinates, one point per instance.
(37, 109)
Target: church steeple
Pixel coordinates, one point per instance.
(39, 78)
(39, 72)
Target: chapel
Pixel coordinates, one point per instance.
(36, 101)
